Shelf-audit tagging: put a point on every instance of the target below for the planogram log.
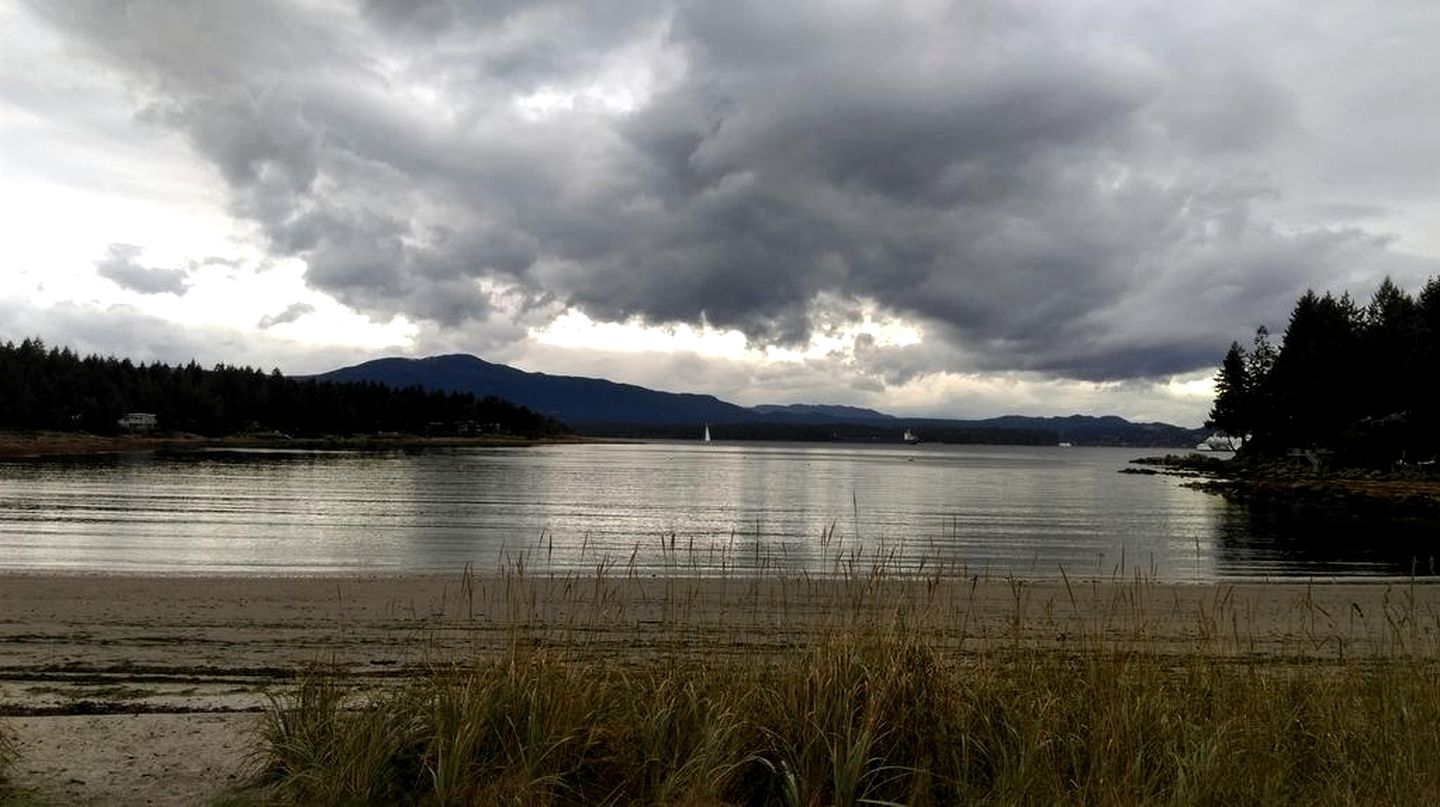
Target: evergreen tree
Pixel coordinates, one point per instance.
(1262, 357)
(1425, 418)
(1390, 346)
(1232, 394)
(1259, 403)
(1317, 358)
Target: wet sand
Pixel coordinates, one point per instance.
(123, 689)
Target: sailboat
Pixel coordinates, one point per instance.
(706, 438)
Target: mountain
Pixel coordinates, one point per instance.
(600, 407)
(853, 414)
(574, 399)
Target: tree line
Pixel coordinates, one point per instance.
(1356, 381)
(50, 388)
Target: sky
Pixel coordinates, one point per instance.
(944, 209)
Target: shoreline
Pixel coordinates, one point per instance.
(1407, 492)
(76, 444)
(83, 643)
(121, 624)
(988, 578)
(56, 443)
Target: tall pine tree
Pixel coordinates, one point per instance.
(1232, 394)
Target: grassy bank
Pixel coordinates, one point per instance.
(890, 701)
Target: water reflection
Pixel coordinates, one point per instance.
(658, 509)
(1280, 539)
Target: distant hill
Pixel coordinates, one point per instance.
(852, 414)
(574, 399)
(600, 407)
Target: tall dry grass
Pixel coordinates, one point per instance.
(7, 755)
(873, 688)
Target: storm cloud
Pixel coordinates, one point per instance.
(1101, 191)
(292, 312)
(121, 267)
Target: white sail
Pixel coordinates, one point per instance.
(707, 433)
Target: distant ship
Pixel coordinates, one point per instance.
(706, 438)
(910, 437)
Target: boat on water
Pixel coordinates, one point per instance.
(1219, 442)
(910, 437)
(706, 438)
(1065, 445)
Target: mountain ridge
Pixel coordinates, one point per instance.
(824, 410)
(603, 407)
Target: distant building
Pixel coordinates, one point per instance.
(137, 422)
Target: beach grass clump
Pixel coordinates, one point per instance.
(8, 754)
(867, 716)
(332, 753)
(12, 794)
(531, 728)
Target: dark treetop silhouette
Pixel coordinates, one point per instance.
(57, 389)
(1358, 382)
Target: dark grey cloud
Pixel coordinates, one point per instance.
(121, 267)
(513, 43)
(1087, 191)
(292, 312)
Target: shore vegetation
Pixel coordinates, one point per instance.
(1348, 385)
(55, 389)
(891, 697)
(7, 756)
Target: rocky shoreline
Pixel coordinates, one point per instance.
(1412, 491)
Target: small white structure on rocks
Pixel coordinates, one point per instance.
(137, 422)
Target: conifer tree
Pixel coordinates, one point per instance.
(1390, 344)
(1232, 394)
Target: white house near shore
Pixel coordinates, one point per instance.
(137, 422)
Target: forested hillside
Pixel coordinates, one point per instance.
(1358, 381)
(44, 388)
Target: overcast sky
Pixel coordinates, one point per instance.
(963, 209)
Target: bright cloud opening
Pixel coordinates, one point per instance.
(834, 337)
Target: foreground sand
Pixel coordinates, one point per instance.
(132, 689)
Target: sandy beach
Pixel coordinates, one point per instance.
(139, 689)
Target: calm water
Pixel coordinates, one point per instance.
(668, 508)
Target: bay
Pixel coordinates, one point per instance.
(672, 509)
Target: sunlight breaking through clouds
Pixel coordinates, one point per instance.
(836, 338)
